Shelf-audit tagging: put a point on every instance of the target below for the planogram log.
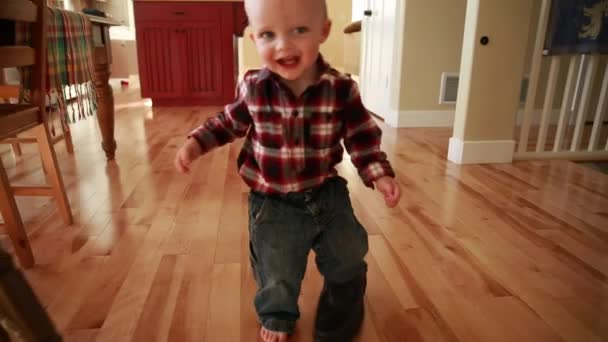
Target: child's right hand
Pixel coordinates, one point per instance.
(186, 155)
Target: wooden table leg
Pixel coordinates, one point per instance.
(105, 102)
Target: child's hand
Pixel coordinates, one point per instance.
(389, 187)
(186, 155)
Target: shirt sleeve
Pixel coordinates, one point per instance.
(362, 140)
(228, 125)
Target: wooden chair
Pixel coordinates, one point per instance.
(16, 118)
(10, 91)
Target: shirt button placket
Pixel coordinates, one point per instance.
(296, 135)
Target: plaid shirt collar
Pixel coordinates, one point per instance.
(323, 67)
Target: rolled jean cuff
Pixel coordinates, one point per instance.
(278, 325)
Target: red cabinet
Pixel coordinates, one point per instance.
(186, 51)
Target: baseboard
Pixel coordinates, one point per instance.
(438, 118)
(481, 152)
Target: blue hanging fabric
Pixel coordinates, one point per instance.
(577, 27)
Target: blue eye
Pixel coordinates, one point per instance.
(266, 35)
(300, 30)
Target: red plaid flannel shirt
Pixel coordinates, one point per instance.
(294, 143)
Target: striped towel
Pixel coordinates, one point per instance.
(70, 62)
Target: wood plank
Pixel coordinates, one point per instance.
(15, 119)
(234, 216)
(96, 305)
(155, 319)
(87, 335)
(18, 10)
(386, 311)
(9, 91)
(555, 315)
(16, 56)
(133, 295)
(72, 292)
(33, 191)
(29, 140)
(224, 313)
(504, 252)
(193, 300)
(389, 268)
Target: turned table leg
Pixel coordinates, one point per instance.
(105, 102)
(105, 98)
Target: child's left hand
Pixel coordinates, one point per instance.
(389, 187)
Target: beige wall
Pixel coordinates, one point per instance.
(486, 108)
(432, 45)
(352, 53)
(124, 57)
(248, 56)
(340, 12)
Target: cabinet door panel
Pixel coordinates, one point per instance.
(203, 77)
(186, 52)
(158, 54)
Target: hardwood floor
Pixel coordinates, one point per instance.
(514, 252)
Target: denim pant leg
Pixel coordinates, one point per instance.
(280, 241)
(342, 243)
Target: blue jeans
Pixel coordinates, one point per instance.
(284, 228)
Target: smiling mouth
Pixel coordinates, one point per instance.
(289, 62)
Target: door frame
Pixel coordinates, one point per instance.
(391, 103)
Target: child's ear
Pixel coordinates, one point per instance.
(251, 37)
(326, 30)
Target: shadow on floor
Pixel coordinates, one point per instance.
(599, 166)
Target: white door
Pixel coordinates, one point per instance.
(377, 51)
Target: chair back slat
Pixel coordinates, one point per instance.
(18, 10)
(16, 56)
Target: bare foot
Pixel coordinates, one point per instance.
(272, 336)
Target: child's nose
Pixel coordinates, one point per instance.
(283, 44)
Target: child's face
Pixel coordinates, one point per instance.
(287, 34)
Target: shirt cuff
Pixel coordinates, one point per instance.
(375, 171)
(204, 138)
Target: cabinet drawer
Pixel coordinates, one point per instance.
(178, 11)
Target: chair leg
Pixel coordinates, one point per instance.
(49, 159)
(67, 136)
(16, 148)
(43, 166)
(13, 222)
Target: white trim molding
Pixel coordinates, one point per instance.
(481, 152)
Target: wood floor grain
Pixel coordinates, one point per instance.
(509, 252)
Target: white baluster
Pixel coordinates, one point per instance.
(600, 113)
(548, 107)
(584, 105)
(566, 104)
(537, 56)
